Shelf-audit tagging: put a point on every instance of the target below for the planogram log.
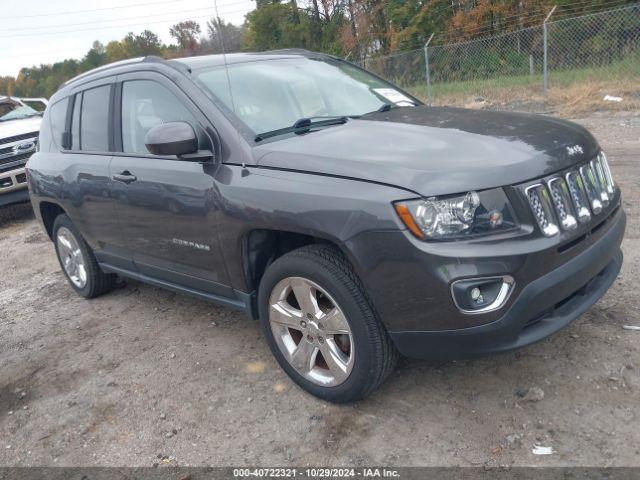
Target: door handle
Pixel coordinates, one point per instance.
(124, 177)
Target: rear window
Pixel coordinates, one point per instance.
(57, 119)
(94, 119)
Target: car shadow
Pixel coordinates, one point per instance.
(17, 212)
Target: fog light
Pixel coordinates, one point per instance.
(481, 295)
(476, 294)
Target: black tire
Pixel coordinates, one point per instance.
(97, 282)
(375, 354)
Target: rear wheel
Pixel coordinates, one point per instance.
(321, 327)
(77, 260)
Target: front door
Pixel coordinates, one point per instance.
(165, 206)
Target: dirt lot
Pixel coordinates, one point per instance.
(143, 376)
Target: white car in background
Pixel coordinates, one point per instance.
(38, 104)
(19, 130)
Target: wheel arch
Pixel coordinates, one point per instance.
(262, 246)
(49, 211)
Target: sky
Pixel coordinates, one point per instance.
(34, 32)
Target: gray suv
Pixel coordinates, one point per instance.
(353, 221)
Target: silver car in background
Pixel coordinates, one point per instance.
(19, 130)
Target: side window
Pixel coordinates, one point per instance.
(75, 123)
(57, 118)
(94, 121)
(145, 104)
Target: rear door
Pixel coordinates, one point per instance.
(87, 154)
(166, 207)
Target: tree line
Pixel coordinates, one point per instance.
(352, 29)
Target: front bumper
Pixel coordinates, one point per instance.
(517, 328)
(554, 289)
(13, 187)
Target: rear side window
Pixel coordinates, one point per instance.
(94, 119)
(57, 118)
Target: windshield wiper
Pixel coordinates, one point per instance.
(303, 125)
(385, 107)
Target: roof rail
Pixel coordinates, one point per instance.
(150, 58)
(287, 50)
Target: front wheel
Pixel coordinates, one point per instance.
(321, 326)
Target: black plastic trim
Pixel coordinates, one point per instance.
(110, 126)
(116, 118)
(243, 301)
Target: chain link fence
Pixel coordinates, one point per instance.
(587, 58)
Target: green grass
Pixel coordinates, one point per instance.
(503, 87)
(628, 69)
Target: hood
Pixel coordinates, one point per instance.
(11, 128)
(435, 151)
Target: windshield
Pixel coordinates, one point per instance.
(14, 110)
(274, 94)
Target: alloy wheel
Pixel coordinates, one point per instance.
(311, 331)
(71, 257)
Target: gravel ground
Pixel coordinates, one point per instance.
(143, 376)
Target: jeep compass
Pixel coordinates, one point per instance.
(352, 220)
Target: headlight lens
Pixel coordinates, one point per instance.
(462, 216)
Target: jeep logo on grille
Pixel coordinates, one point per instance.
(24, 147)
(576, 149)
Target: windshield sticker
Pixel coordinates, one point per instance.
(394, 96)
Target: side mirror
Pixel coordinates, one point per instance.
(173, 138)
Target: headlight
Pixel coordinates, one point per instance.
(444, 218)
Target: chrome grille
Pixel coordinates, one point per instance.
(16, 150)
(564, 201)
(542, 209)
(591, 186)
(17, 138)
(579, 197)
(602, 158)
(4, 150)
(12, 163)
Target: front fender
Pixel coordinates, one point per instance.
(325, 207)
